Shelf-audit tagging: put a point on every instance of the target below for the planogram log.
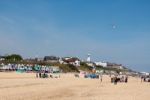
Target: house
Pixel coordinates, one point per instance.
(61, 61)
(2, 58)
(114, 65)
(70, 60)
(51, 59)
(91, 64)
(103, 64)
(145, 73)
(39, 59)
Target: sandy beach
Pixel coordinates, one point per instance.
(25, 86)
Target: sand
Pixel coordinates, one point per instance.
(25, 86)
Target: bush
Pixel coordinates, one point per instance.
(13, 57)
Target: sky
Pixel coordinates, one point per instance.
(110, 30)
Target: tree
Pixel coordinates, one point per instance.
(84, 66)
(13, 57)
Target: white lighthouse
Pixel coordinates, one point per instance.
(89, 58)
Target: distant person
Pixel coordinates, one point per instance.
(44, 75)
(142, 78)
(37, 75)
(115, 80)
(112, 79)
(122, 79)
(126, 79)
(101, 77)
(40, 74)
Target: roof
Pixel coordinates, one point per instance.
(51, 58)
(71, 59)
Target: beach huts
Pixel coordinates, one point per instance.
(29, 68)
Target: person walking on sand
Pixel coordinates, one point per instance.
(40, 75)
(115, 80)
(36, 74)
(126, 79)
(101, 77)
(142, 78)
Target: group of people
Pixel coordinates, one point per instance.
(41, 75)
(119, 78)
(145, 78)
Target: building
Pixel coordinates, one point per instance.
(91, 64)
(70, 60)
(2, 58)
(103, 64)
(51, 59)
(39, 59)
(114, 65)
(89, 58)
(145, 73)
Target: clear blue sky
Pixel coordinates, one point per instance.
(111, 30)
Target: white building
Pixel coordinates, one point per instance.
(145, 73)
(89, 58)
(2, 58)
(77, 63)
(90, 64)
(104, 64)
(70, 60)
